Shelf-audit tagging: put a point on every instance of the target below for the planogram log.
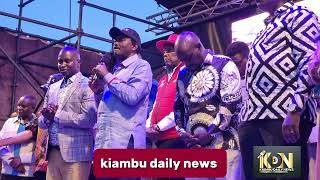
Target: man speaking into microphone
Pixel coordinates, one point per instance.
(122, 110)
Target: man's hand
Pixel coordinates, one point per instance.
(290, 127)
(96, 84)
(153, 133)
(21, 168)
(52, 108)
(49, 112)
(203, 139)
(16, 164)
(190, 140)
(101, 69)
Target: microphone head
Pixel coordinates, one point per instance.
(52, 79)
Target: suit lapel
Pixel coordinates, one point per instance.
(74, 85)
(53, 93)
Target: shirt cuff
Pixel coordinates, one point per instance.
(108, 78)
(167, 122)
(148, 123)
(161, 126)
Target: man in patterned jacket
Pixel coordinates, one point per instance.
(208, 96)
(69, 113)
(277, 83)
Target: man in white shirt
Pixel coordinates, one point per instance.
(18, 159)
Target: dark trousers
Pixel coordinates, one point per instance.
(40, 175)
(171, 144)
(130, 146)
(91, 176)
(176, 143)
(269, 133)
(10, 177)
(119, 178)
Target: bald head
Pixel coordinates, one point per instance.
(26, 106)
(187, 41)
(70, 52)
(189, 48)
(69, 61)
(30, 99)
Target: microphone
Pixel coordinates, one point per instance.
(52, 79)
(108, 60)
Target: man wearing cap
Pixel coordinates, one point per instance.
(161, 124)
(122, 111)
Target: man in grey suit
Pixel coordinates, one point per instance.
(69, 113)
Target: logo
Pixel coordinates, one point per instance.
(277, 161)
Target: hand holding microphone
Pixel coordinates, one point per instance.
(105, 66)
(96, 82)
(100, 70)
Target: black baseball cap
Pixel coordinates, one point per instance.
(115, 32)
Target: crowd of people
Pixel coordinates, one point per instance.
(264, 95)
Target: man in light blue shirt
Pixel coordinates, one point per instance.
(122, 111)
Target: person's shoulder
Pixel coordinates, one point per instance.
(221, 57)
(83, 78)
(298, 9)
(58, 83)
(11, 120)
(230, 66)
(183, 71)
(218, 59)
(84, 83)
(54, 86)
(142, 63)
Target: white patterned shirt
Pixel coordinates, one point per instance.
(276, 72)
(25, 150)
(208, 98)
